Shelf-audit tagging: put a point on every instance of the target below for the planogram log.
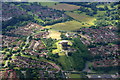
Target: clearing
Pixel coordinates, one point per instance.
(82, 18)
(54, 34)
(68, 26)
(66, 7)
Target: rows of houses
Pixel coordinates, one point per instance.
(8, 40)
(106, 63)
(101, 42)
(44, 13)
(27, 30)
(24, 62)
(99, 35)
(9, 11)
(105, 50)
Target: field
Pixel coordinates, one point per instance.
(54, 34)
(48, 4)
(101, 13)
(66, 7)
(74, 76)
(68, 26)
(82, 18)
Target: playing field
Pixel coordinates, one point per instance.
(66, 7)
(74, 76)
(68, 26)
(54, 34)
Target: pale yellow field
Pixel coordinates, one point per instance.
(54, 34)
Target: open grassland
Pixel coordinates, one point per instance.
(82, 18)
(66, 7)
(54, 34)
(68, 26)
(74, 76)
(100, 13)
(48, 4)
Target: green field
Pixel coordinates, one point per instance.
(66, 7)
(48, 4)
(74, 76)
(68, 26)
(101, 13)
(82, 18)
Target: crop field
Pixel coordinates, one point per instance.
(68, 26)
(66, 7)
(82, 18)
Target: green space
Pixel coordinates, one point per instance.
(83, 18)
(48, 4)
(65, 60)
(54, 34)
(74, 76)
(65, 7)
(68, 26)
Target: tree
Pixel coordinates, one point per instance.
(56, 55)
(105, 7)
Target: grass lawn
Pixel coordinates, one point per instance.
(82, 17)
(100, 13)
(48, 4)
(54, 34)
(66, 7)
(68, 26)
(74, 76)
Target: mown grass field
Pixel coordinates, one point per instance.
(66, 7)
(68, 26)
(54, 34)
(82, 18)
(48, 4)
(74, 76)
